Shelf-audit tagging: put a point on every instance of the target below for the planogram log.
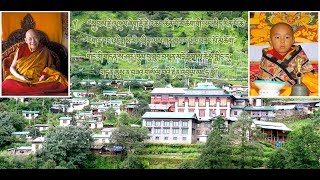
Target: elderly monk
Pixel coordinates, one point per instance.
(33, 71)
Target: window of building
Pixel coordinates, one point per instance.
(198, 125)
(166, 131)
(149, 123)
(181, 102)
(201, 113)
(212, 102)
(176, 123)
(166, 138)
(191, 102)
(64, 121)
(157, 138)
(208, 125)
(185, 123)
(235, 113)
(157, 131)
(175, 138)
(184, 138)
(166, 124)
(175, 131)
(202, 102)
(157, 123)
(223, 102)
(184, 131)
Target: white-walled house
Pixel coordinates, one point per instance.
(30, 114)
(94, 124)
(65, 121)
(37, 144)
(42, 127)
(100, 139)
(170, 127)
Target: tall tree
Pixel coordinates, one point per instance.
(129, 137)
(303, 148)
(70, 145)
(217, 151)
(111, 114)
(246, 139)
(123, 119)
(9, 123)
(278, 159)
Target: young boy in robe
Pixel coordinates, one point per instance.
(278, 62)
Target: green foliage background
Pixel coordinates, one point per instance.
(85, 69)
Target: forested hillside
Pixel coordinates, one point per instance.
(209, 40)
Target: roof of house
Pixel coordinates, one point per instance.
(42, 125)
(65, 118)
(20, 133)
(100, 136)
(109, 91)
(261, 108)
(170, 115)
(24, 148)
(91, 121)
(168, 91)
(78, 90)
(108, 129)
(284, 107)
(159, 106)
(272, 125)
(115, 101)
(238, 107)
(207, 86)
(29, 112)
(38, 139)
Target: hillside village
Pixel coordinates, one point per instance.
(173, 115)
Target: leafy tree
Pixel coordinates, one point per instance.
(217, 151)
(278, 159)
(111, 114)
(248, 151)
(123, 119)
(9, 123)
(134, 85)
(69, 145)
(6, 161)
(17, 120)
(86, 108)
(9, 161)
(3, 107)
(34, 132)
(50, 164)
(303, 148)
(129, 137)
(141, 108)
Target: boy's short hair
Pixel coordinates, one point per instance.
(281, 23)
